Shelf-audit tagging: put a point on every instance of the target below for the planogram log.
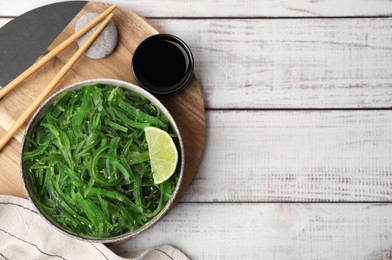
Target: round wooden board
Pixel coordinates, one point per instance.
(187, 107)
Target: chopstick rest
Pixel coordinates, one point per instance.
(41, 62)
(104, 45)
(36, 103)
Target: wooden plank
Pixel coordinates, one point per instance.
(229, 8)
(302, 63)
(264, 156)
(317, 63)
(273, 231)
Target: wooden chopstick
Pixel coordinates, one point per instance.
(41, 62)
(30, 110)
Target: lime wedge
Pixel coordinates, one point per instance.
(163, 154)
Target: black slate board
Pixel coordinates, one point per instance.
(26, 37)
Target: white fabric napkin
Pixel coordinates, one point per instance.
(25, 235)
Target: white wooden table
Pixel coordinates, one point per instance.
(298, 160)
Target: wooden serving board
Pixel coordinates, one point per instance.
(187, 107)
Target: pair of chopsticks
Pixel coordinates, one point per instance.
(41, 97)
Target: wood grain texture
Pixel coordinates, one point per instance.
(306, 63)
(316, 63)
(186, 106)
(230, 8)
(273, 231)
(265, 156)
(260, 156)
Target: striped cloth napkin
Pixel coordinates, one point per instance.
(25, 235)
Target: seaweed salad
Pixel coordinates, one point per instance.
(88, 163)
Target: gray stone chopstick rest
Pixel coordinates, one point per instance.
(106, 42)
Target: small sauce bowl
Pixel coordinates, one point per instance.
(163, 64)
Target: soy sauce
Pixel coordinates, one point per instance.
(162, 64)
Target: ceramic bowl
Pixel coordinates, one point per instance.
(39, 115)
